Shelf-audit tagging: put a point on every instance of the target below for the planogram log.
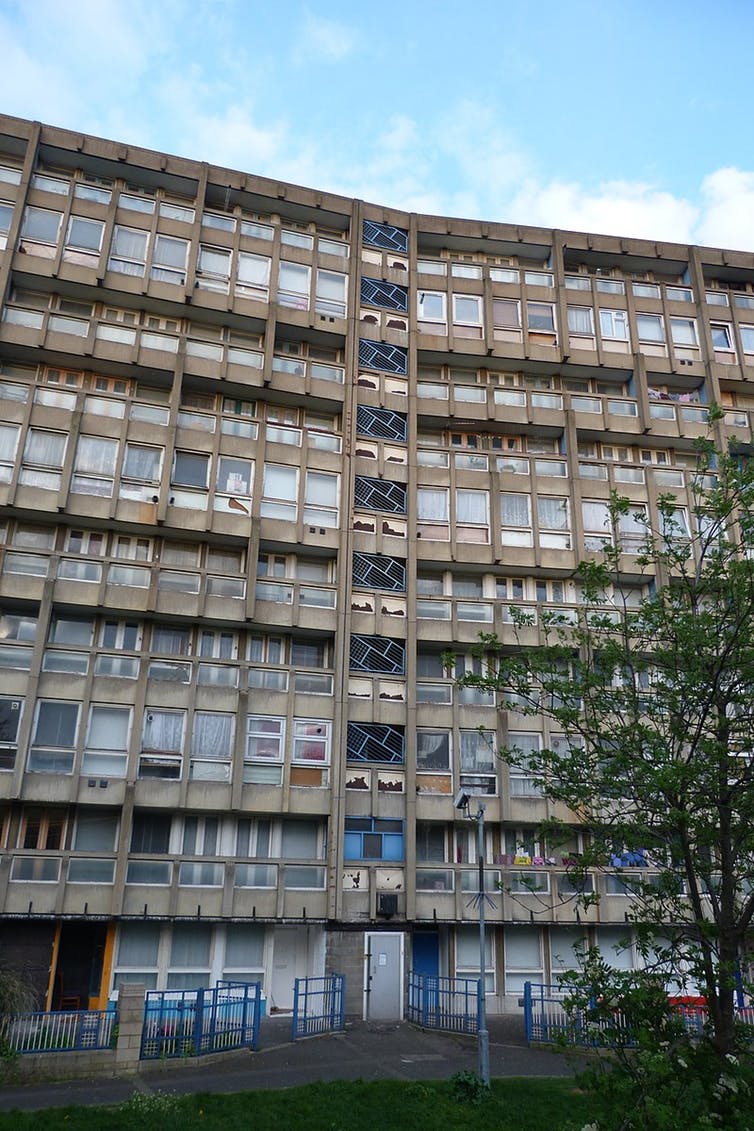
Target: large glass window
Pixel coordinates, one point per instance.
(479, 761)
(211, 746)
(373, 838)
(253, 279)
(515, 519)
(41, 226)
(94, 466)
(294, 285)
(169, 260)
(105, 752)
(54, 738)
(128, 251)
(280, 492)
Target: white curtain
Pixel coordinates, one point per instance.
(432, 504)
(515, 510)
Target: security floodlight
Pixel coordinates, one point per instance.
(462, 799)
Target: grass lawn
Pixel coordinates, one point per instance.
(513, 1105)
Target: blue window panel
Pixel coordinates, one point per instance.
(374, 838)
(386, 236)
(375, 742)
(379, 494)
(375, 571)
(378, 654)
(387, 296)
(381, 355)
(381, 423)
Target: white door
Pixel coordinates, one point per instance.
(383, 977)
(288, 963)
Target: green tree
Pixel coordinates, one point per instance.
(652, 691)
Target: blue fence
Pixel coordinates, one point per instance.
(444, 1003)
(195, 1022)
(547, 1022)
(318, 1005)
(63, 1031)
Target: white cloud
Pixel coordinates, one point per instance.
(324, 41)
(727, 218)
(620, 208)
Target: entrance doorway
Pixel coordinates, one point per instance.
(78, 971)
(383, 977)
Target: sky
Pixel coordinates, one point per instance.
(630, 117)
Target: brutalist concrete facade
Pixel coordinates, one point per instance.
(265, 454)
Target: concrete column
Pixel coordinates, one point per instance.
(130, 1021)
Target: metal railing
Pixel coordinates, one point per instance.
(444, 1003)
(64, 1031)
(179, 1023)
(318, 1005)
(546, 1020)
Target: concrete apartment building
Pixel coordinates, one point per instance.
(265, 454)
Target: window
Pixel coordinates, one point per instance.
(142, 463)
(472, 516)
(523, 958)
(6, 216)
(264, 744)
(171, 640)
(515, 518)
(467, 956)
(478, 761)
(70, 630)
(614, 325)
(10, 716)
(321, 498)
(83, 241)
(506, 314)
(683, 332)
(190, 469)
(54, 738)
(433, 512)
(432, 312)
(373, 838)
(721, 336)
(253, 279)
(650, 328)
(169, 260)
(213, 268)
(294, 285)
(94, 466)
(95, 831)
(162, 742)
(8, 444)
(330, 297)
(124, 635)
(40, 226)
(42, 460)
(433, 751)
(523, 782)
(280, 492)
(540, 319)
(128, 251)
(311, 741)
(554, 523)
(211, 746)
(610, 286)
(467, 316)
(150, 832)
(105, 751)
(581, 321)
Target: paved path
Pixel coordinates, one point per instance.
(364, 1051)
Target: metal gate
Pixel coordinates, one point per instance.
(196, 1022)
(318, 1005)
(444, 1003)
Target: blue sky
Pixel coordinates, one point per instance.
(623, 116)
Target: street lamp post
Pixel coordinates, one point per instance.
(462, 802)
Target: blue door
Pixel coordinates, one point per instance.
(426, 953)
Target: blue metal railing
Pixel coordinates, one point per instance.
(318, 1005)
(444, 1003)
(62, 1031)
(546, 1020)
(196, 1022)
